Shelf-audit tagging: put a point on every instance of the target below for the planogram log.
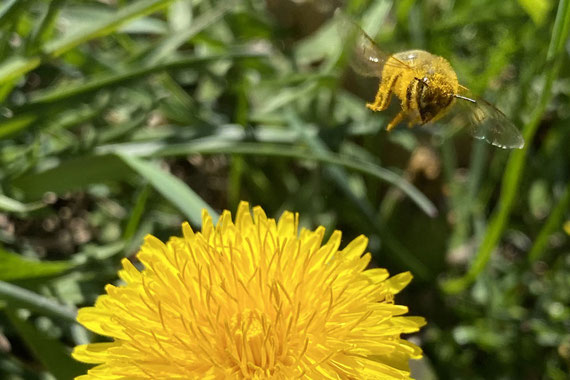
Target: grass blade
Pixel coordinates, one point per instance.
(135, 10)
(110, 80)
(16, 66)
(12, 205)
(341, 179)
(515, 165)
(16, 124)
(14, 267)
(71, 175)
(218, 146)
(19, 297)
(136, 213)
(171, 188)
(49, 351)
(8, 8)
(177, 39)
(19, 66)
(553, 223)
(45, 27)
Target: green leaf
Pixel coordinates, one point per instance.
(16, 124)
(536, 9)
(180, 15)
(72, 175)
(15, 267)
(16, 66)
(8, 8)
(12, 205)
(171, 188)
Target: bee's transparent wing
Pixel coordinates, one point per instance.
(487, 123)
(366, 58)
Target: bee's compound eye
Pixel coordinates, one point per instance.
(425, 80)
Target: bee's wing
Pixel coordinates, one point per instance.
(366, 58)
(487, 123)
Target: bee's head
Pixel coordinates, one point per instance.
(435, 95)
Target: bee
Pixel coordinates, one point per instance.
(427, 87)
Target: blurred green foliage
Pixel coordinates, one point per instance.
(122, 118)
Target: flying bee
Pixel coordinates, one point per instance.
(427, 87)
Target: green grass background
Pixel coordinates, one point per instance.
(123, 118)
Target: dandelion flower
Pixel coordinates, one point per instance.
(251, 299)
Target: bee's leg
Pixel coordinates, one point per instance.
(383, 96)
(396, 120)
(415, 121)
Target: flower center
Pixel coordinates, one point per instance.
(252, 344)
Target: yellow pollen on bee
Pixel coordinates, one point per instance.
(401, 76)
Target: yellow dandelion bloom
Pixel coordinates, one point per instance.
(251, 299)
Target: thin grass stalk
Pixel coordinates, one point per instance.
(515, 166)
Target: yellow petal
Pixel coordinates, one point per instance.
(355, 248)
(399, 282)
(93, 353)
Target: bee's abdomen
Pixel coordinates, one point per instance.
(412, 95)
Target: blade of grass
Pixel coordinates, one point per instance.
(8, 8)
(16, 124)
(19, 297)
(45, 27)
(10, 25)
(235, 180)
(6, 90)
(71, 175)
(477, 167)
(109, 80)
(341, 179)
(132, 11)
(136, 213)
(166, 47)
(219, 146)
(16, 368)
(119, 131)
(456, 194)
(12, 205)
(180, 15)
(15, 267)
(285, 97)
(554, 222)
(48, 350)
(171, 188)
(14, 67)
(18, 66)
(515, 165)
